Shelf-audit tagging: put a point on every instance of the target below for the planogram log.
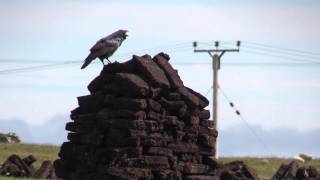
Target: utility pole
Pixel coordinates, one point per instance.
(216, 55)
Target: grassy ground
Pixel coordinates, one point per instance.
(40, 152)
(11, 178)
(265, 167)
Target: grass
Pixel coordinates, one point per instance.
(265, 167)
(12, 178)
(40, 152)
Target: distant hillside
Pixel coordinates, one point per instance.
(281, 142)
(51, 132)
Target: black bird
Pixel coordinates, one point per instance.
(105, 47)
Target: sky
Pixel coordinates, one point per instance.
(270, 96)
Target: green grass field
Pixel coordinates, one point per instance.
(265, 167)
(40, 152)
(10, 178)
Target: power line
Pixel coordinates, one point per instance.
(306, 60)
(36, 68)
(271, 48)
(175, 48)
(281, 52)
(247, 63)
(246, 122)
(176, 45)
(243, 64)
(31, 61)
(171, 47)
(280, 57)
(184, 46)
(208, 91)
(271, 64)
(282, 48)
(291, 56)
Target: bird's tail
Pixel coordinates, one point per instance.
(88, 60)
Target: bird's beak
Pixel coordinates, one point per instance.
(125, 33)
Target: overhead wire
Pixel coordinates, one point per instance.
(208, 91)
(173, 48)
(273, 51)
(277, 51)
(60, 65)
(247, 63)
(282, 48)
(279, 56)
(177, 46)
(276, 54)
(259, 139)
(31, 61)
(36, 68)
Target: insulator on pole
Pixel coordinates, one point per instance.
(238, 113)
(195, 44)
(216, 44)
(238, 43)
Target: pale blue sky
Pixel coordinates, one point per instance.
(268, 96)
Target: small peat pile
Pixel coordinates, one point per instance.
(17, 167)
(140, 122)
(294, 170)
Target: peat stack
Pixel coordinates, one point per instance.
(139, 122)
(295, 170)
(17, 167)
